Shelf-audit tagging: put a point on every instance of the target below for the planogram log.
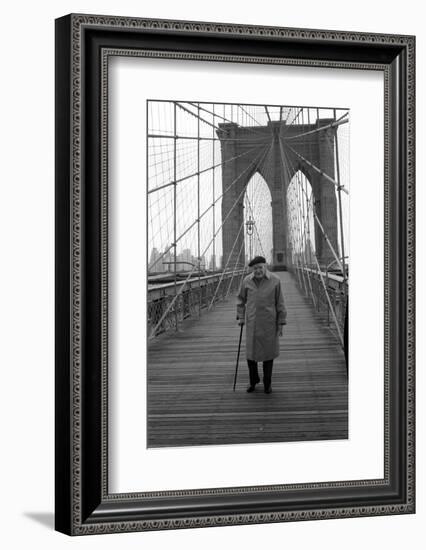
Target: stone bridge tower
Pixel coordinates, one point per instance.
(317, 147)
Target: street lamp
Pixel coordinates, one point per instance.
(249, 230)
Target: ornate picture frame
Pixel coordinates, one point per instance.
(84, 45)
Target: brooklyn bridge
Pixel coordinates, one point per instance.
(227, 182)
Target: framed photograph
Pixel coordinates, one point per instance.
(234, 274)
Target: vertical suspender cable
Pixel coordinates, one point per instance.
(213, 187)
(300, 227)
(312, 190)
(339, 196)
(305, 214)
(175, 206)
(198, 212)
(306, 219)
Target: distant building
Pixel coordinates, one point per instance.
(185, 260)
(155, 266)
(167, 261)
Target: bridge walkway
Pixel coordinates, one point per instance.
(191, 373)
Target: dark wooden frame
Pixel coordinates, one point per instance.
(83, 45)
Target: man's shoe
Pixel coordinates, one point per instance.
(251, 388)
(268, 389)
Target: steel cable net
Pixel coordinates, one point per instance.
(319, 179)
(186, 188)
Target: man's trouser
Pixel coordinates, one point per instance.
(254, 374)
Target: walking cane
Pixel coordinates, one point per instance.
(238, 356)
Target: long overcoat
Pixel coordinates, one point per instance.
(261, 305)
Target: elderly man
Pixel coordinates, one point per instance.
(260, 304)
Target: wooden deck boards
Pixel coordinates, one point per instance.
(191, 373)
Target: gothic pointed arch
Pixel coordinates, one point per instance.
(258, 219)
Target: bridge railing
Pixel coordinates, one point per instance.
(170, 304)
(329, 294)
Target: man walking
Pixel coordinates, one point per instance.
(260, 304)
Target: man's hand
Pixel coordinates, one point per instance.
(280, 330)
(240, 322)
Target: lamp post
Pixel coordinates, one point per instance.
(249, 230)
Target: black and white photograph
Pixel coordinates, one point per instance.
(248, 263)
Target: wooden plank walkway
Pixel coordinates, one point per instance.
(191, 372)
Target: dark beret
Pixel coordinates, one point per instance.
(257, 260)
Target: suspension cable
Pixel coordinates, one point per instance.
(336, 256)
(201, 171)
(183, 285)
(224, 270)
(208, 209)
(248, 128)
(318, 170)
(335, 124)
(331, 309)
